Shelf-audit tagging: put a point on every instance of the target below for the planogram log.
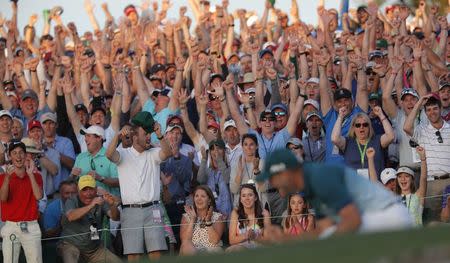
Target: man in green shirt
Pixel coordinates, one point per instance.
(82, 219)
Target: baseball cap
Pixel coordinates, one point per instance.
(248, 78)
(144, 119)
(34, 124)
(295, 141)
(94, 129)
(49, 116)
(215, 75)
(229, 123)
(269, 45)
(11, 93)
(342, 93)
(375, 54)
(129, 9)
(266, 112)
(405, 169)
(79, 107)
(155, 77)
(265, 51)
(172, 117)
(314, 103)
(30, 146)
(250, 90)
(374, 96)
(156, 68)
(313, 80)
(29, 93)
(5, 113)
(218, 142)
(409, 91)
(387, 175)
(278, 161)
(279, 106)
(171, 127)
(15, 144)
(444, 84)
(311, 114)
(381, 43)
(86, 181)
(213, 124)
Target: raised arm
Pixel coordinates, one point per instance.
(234, 109)
(389, 105)
(422, 190)
(370, 153)
(388, 135)
(336, 136)
(138, 81)
(408, 126)
(296, 113)
(68, 88)
(362, 96)
(89, 7)
(326, 99)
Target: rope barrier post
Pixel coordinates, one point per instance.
(12, 238)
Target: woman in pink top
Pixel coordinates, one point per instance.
(298, 219)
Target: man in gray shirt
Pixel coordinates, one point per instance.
(314, 142)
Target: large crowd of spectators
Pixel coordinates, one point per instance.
(145, 135)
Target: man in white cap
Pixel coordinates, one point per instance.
(233, 146)
(309, 106)
(94, 161)
(312, 89)
(389, 179)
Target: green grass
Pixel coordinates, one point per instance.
(349, 248)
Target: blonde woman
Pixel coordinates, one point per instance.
(360, 137)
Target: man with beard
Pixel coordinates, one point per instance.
(140, 184)
(435, 138)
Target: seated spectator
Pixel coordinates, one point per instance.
(55, 210)
(201, 226)
(360, 137)
(413, 199)
(21, 188)
(298, 219)
(248, 220)
(84, 214)
(216, 175)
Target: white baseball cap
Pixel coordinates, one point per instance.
(171, 127)
(5, 112)
(314, 103)
(48, 116)
(387, 175)
(94, 129)
(229, 123)
(313, 80)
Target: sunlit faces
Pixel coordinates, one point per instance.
(314, 125)
(87, 194)
(407, 102)
(29, 106)
(98, 118)
(93, 142)
(36, 134)
(433, 113)
(17, 129)
(344, 102)
(201, 199)
(231, 135)
(267, 123)
(5, 124)
(246, 64)
(248, 198)
(18, 157)
(297, 204)
(362, 129)
(174, 136)
(249, 146)
(444, 94)
(142, 138)
(83, 116)
(49, 128)
(312, 91)
(281, 118)
(404, 181)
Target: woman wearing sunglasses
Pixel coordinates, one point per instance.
(360, 137)
(248, 220)
(248, 168)
(201, 226)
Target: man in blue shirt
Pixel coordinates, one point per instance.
(54, 211)
(342, 200)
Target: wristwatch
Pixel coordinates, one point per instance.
(303, 96)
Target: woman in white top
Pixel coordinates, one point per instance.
(248, 168)
(201, 227)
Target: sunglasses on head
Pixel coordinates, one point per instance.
(267, 119)
(280, 113)
(439, 137)
(365, 125)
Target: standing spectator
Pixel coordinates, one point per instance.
(360, 137)
(55, 210)
(201, 226)
(314, 141)
(17, 129)
(6, 121)
(232, 139)
(435, 138)
(84, 213)
(216, 175)
(94, 161)
(140, 184)
(21, 188)
(62, 145)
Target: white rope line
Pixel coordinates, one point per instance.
(179, 225)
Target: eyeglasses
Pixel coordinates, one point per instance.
(264, 119)
(212, 97)
(280, 113)
(365, 125)
(439, 137)
(92, 165)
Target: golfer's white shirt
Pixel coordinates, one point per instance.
(139, 175)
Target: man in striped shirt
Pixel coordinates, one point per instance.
(435, 138)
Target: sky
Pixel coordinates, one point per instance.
(74, 9)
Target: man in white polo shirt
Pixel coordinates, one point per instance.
(435, 138)
(140, 187)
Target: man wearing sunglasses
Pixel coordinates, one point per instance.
(435, 138)
(281, 115)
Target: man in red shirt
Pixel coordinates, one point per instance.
(21, 188)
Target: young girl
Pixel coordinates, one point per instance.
(411, 198)
(298, 219)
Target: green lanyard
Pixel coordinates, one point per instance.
(362, 152)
